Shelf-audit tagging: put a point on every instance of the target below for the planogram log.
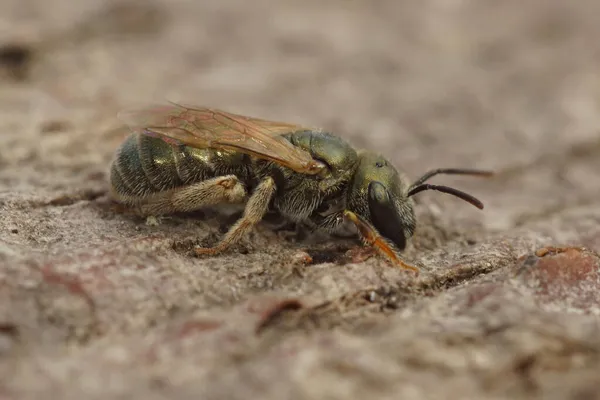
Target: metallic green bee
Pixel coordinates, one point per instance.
(183, 158)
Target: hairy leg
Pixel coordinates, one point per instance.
(256, 208)
(374, 242)
(222, 189)
(372, 238)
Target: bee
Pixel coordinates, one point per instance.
(181, 158)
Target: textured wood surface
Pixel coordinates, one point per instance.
(95, 303)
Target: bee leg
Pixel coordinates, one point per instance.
(372, 238)
(330, 223)
(256, 208)
(222, 189)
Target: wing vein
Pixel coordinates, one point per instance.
(202, 127)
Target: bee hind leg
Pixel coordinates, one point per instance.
(222, 189)
(256, 208)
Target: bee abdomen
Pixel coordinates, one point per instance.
(158, 162)
(142, 167)
(127, 174)
(194, 165)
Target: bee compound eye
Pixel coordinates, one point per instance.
(384, 215)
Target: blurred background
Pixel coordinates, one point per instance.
(93, 301)
(484, 84)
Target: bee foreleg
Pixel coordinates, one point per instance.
(256, 208)
(372, 238)
(222, 189)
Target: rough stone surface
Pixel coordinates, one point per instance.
(95, 303)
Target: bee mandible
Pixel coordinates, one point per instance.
(183, 158)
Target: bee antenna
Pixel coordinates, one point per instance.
(450, 171)
(445, 189)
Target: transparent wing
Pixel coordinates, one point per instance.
(211, 128)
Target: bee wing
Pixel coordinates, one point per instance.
(211, 128)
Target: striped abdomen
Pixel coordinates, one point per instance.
(144, 165)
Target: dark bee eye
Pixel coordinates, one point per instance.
(379, 164)
(384, 216)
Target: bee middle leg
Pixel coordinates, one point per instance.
(256, 208)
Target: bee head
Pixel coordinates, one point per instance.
(382, 196)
